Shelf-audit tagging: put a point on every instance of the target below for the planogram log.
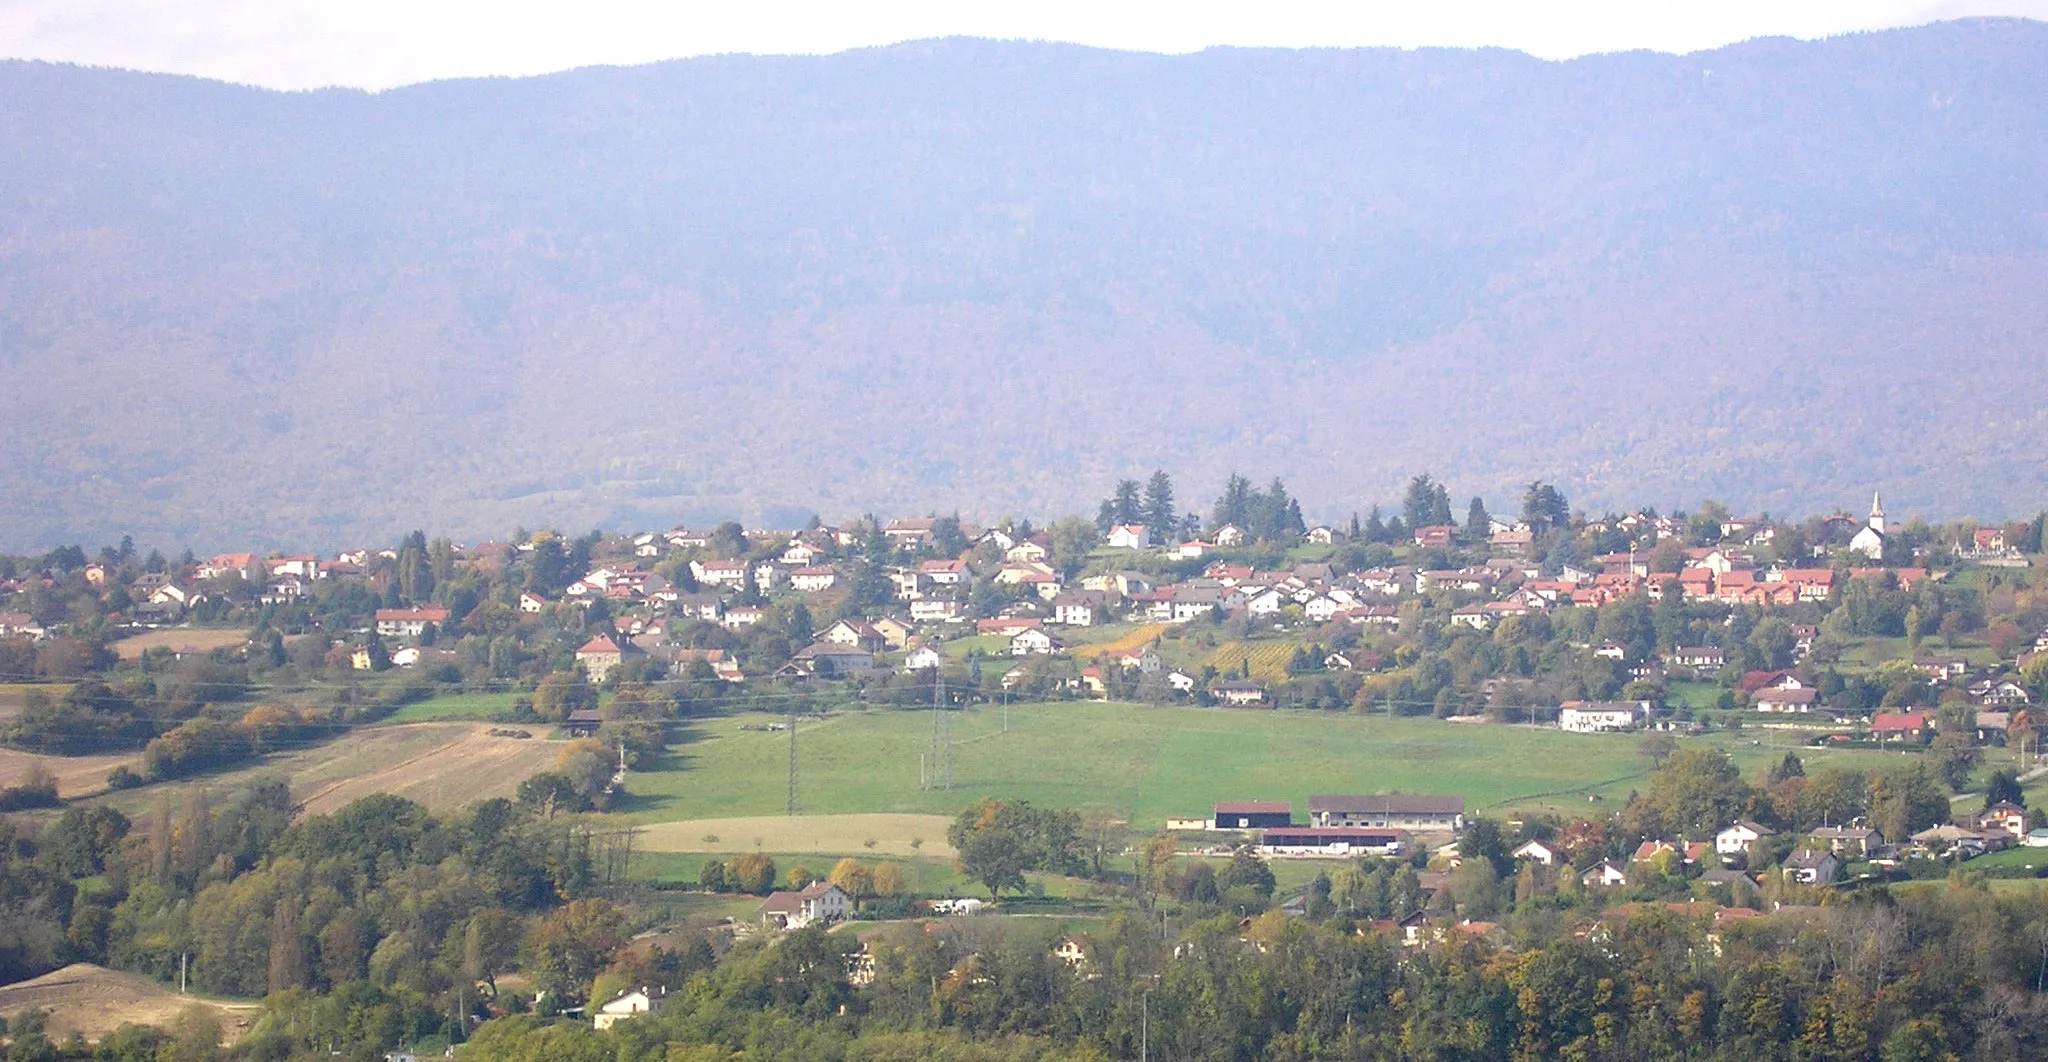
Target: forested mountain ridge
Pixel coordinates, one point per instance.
(997, 276)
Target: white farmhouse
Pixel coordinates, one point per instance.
(643, 1000)
(1593, 717)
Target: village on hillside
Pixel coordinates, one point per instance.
(1878, 677)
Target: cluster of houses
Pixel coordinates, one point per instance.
(1819, 856)
(934, 601)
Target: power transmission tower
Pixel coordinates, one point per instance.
(792, 757)
(937, 762)
(945, 729)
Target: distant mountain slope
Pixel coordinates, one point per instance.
(995, 276)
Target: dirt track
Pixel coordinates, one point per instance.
(94, 1001)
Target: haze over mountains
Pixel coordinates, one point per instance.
(994, 277)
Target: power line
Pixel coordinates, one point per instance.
(793, 804)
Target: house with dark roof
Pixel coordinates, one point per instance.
(1253, 815)
(1856, 842)
(825, 660)
(1812, 866)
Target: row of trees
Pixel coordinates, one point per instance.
(1941, 973)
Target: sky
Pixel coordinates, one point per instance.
(377, 44)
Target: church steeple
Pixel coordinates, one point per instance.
(1876, 513)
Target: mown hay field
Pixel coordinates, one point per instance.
(441, 765)
(179, 640)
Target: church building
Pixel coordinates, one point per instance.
(1870, 540)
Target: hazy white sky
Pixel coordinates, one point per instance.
(381, 43)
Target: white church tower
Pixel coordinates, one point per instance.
(1870, 540)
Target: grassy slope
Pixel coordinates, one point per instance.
(454, 706)
(1151, 763)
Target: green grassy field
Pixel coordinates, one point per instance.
(1692, 694)
(455, 706)
(1869, 652)
(2030, 858)
(989, 644)
(1150, 763)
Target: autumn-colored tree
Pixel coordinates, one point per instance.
(851, 875)
(570, 946)
(753, 872)
(890, 880)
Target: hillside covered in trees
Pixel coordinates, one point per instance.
(988, 276)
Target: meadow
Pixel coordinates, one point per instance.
(1150, 763)
(480, 706)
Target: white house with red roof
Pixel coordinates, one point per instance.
(1130, 536)
(408, 622)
